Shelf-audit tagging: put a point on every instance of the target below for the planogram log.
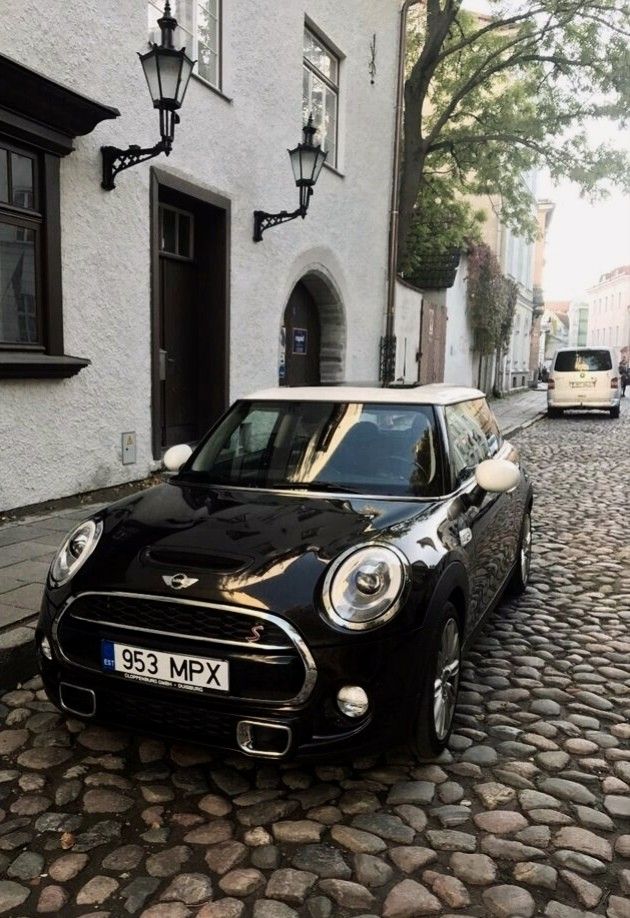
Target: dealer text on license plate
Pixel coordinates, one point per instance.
(196, 674)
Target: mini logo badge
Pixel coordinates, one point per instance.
(255, 634)
(179, 581)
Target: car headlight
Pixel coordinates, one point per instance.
(363, 587)
(76, 549)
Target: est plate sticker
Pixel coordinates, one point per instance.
(196, 674)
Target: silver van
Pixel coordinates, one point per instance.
(584, 377)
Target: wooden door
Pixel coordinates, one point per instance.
(432, 343)
(178, 328)
(302, 339)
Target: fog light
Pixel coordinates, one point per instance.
(45, 648)
(352, 701)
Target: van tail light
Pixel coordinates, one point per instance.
(551, 383)
(614, 382)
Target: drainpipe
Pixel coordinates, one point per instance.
(388, 341)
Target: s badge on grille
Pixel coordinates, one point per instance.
(255, 634)
(179, 581)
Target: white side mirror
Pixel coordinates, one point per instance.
(497, 475)
(175, 457)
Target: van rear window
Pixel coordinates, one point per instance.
(583, 361)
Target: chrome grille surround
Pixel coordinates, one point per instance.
(297, 640)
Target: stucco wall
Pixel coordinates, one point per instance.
(61, 437)
(460, 365)
(407, 331)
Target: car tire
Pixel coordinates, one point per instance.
(520, 577)
(614, 412)
(433, 721)
(554, 412)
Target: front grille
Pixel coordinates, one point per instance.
(165, 715)
(178, 618)
(272, 670)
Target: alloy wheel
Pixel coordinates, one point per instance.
(446, 679)
(526, 548)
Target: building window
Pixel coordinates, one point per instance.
(198, 29)
(176, 232)
(320, 91)
(21, 222)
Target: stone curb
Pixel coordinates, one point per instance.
(17, 656)
(516, 428)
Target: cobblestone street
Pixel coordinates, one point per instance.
(528, 814)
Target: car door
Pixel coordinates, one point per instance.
(487, 523)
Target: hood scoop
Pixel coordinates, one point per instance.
(194, 559)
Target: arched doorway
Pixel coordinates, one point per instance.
(302, 339)
(313, 338)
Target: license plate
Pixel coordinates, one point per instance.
(583, 384)
(196, 674)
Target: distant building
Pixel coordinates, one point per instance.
(545, 213)
(578, 324)
(609, 310)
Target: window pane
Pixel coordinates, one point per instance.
(185, 236)
(168, 236)
(320, 56)
(468, 442)
(18, 304)
(207, 24)
(22, 181)
(4, 177)
(320, 101)
(208, 64)
(182, 10)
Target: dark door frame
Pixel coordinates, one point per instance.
(161, 177)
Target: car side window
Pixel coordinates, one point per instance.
(473, 436)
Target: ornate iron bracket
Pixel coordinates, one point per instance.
(263, 220)
(115, 160)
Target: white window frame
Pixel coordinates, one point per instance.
(335, 87)
(158, 6)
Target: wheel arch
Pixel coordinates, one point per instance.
(452, 586)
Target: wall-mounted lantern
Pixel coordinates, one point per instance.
(307, 160)
(167, 72)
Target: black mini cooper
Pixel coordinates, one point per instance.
(304, 583)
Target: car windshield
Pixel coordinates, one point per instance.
(352, 447)
(583, 361)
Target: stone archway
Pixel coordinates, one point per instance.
(332, 324)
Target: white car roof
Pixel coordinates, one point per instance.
(433, 394)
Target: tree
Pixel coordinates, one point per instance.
(489, 98)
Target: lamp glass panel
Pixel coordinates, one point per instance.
(296, 164)
(308, 157)
(321, 159)
(149, 65)
(170, 67)
(186, 71)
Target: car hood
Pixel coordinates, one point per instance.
(258, 549)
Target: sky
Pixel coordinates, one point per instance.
(586, 239)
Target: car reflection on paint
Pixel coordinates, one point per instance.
(304, 583)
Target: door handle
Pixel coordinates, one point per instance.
(162, 364)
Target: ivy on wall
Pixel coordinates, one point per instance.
(491, 300)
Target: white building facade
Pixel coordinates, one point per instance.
(145, 310)
(609, 310)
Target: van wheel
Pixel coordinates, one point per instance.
(614, 412)
(434, 717)
(554, 412)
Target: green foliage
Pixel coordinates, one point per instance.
(490, 99)
(491, 301)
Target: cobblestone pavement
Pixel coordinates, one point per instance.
(529, 812)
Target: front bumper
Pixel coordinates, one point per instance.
(287, 724)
